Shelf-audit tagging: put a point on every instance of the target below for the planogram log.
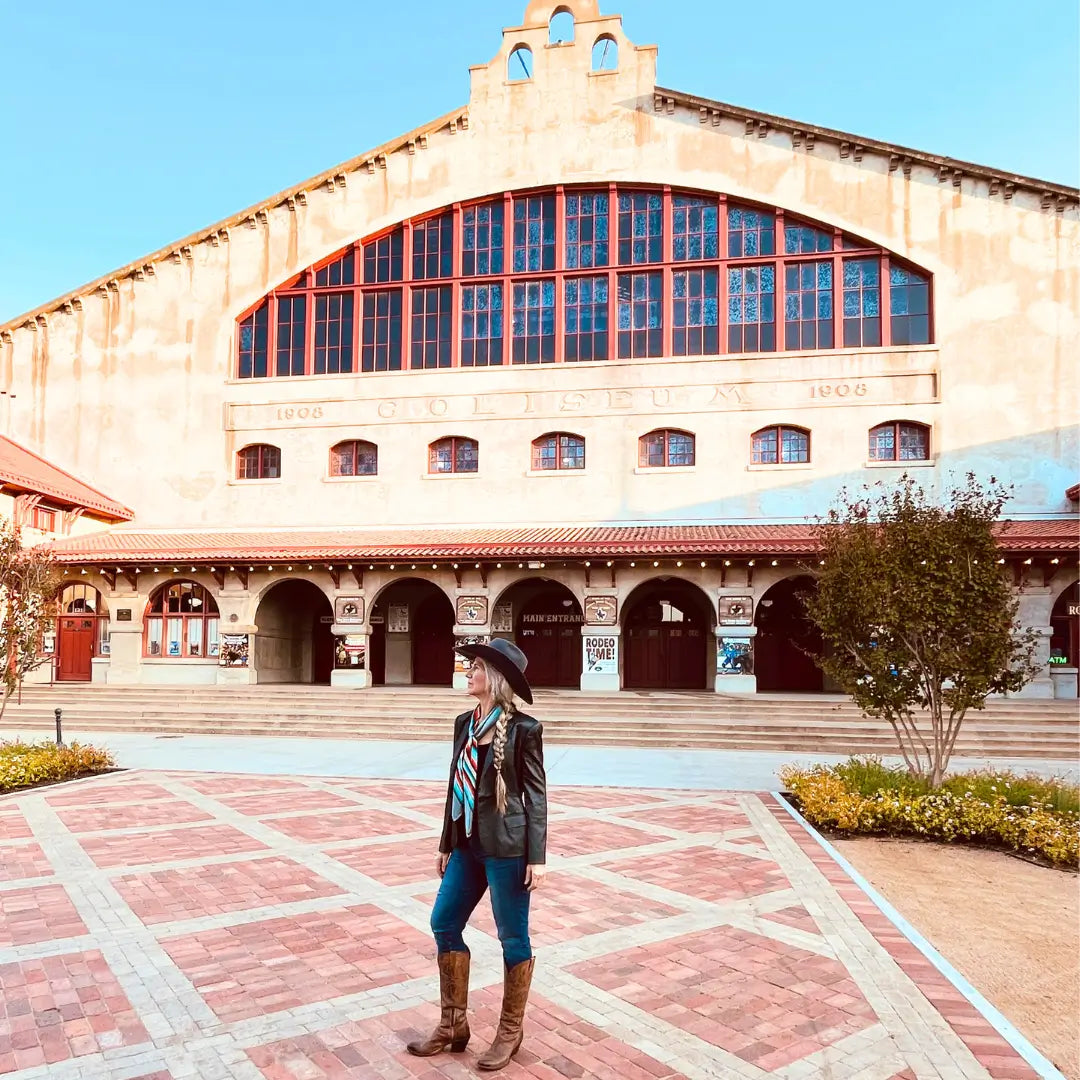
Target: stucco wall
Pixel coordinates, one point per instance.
(133, 385)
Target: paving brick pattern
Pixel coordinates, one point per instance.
(280, 932)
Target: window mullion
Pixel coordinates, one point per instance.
(885, 301)
(455, 287)
(780, 285)
(667, 308)
(722, 284)
(560, 266)
(838, 302)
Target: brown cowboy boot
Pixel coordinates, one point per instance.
(453, 1031)
(508, 1038)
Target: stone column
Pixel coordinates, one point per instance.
(352, 647)
(1036, 604)
(123, 666)
(600, 658)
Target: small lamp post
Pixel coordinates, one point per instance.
(59, 733)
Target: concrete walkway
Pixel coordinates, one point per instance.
(733, 770)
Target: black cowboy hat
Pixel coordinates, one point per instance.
(507, 659)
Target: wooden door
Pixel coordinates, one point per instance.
(75, 648)
(433, 643)
(665, 656)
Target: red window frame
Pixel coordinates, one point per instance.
(558, 451)
(354, 457)
(260, 461)
(772, 445)
(664, 439)
(462, 456)
(185, 608)
(594, 237)
(44, 518)
(895, 428)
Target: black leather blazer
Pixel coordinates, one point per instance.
(522, 830)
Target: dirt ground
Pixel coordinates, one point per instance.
(1011, 928)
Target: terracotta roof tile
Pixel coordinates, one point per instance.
(22, 468)
(567, 541)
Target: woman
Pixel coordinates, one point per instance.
(494, 837)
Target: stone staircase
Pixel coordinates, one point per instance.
(794, 723)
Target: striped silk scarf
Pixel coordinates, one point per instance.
(465, 778)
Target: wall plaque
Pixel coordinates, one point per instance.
(123, 614)
(601, 610)
(502, 618)
(736, 610)
(472, 610)
(349, 609)
(397, 619)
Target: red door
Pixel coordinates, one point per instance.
(75, 648)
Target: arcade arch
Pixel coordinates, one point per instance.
(546, 620)
(412, 635)
(787, 641)
(294, 642)
(667, 631)
(1065, 629)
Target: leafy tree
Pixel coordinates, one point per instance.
(28, 586)
(917, 612)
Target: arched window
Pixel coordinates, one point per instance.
(519, 68)
(663, 449)
(580, 273)
(558, 450)
(605, 54)
(354, 457)
(453, 455)
(181, 621)
(258, 462)
(781, 446)
(561, 27)
(900, 440)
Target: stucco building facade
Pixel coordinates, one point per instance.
(578, 362)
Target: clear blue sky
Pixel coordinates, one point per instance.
(128, 125)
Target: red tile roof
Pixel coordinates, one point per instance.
(1073, 493)
(565, 541)
(23, 469)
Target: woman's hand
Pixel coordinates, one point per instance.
(440, 865)
(534, 876)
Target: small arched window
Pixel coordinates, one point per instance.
(558, 450)
(561, 27)
(780, 446)
(664, 449)
(453, 455)
(605, 54)
(519, 68)
(354, 457)
(258, 462)
(900, 440)
(181, 621)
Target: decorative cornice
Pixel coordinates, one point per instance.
(1052, 196)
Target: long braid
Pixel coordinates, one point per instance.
(503, 696)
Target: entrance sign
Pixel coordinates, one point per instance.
(601, 610)
(601, 655)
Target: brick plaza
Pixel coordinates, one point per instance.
(168, 926)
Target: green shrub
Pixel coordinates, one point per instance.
(23, 765)
(862, 796)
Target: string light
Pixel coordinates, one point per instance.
(727, 562)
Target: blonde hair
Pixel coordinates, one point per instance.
(503, 696)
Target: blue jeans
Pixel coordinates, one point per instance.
(468, 876)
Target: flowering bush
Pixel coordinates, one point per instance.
(26, 764)
(1024, 814)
